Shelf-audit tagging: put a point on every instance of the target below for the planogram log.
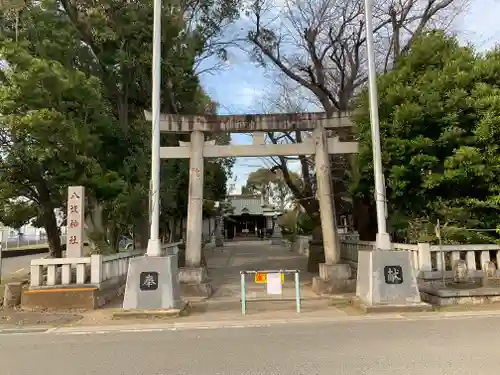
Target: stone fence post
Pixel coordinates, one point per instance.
(424, 256)
(96, 268)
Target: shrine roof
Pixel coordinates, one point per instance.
(247, 204)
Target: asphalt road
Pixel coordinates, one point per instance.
(16, 265)
(425, 347)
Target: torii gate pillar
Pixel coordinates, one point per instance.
(195, 201)
(333, 275)
(331, 241)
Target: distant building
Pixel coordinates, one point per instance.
(248, 216)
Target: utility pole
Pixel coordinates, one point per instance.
(154, 245)
(383, 239)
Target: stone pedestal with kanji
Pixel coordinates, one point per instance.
(387, 281)
(152, 283)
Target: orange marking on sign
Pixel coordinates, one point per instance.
(261, 278)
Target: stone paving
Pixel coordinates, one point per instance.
(225, 264)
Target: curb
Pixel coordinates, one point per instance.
(149, 314)
(131, 327)
(11, 331)
(259, 323)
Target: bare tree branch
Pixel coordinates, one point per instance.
(320, 44)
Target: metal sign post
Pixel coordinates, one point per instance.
(261, 277)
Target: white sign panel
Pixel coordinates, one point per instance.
(75, 222)
(274, 283)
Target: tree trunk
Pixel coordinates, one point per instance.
(364, 220)
(175, 236)
(114, 237)
(53, 233)
(316, 250)
(49, 220)
(141, 234)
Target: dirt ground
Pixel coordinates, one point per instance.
(10, 318)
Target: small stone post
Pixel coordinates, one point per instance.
(277, 237)
(219, 230)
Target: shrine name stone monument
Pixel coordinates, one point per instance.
(75, 222)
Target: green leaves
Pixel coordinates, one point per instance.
(440, 126)
(72, 99)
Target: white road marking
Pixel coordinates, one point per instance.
(172, 329)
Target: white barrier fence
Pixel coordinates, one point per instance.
(86, 271)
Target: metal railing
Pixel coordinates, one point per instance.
(27, 241)
(244, 299)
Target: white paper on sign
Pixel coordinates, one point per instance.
(274, 283)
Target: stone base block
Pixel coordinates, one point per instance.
(196, 290)
(386, 278)
(278, 241)
(194, 282)
(392, 308)
(182, 310)
(193, 275)
(334, 271)
(12, 294)
(219, 242)
(73, 297)
(152, 283)
(333, 286)
(334, 278)
(446, 296)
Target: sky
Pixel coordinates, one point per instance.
(240, 86)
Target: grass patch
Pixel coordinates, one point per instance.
(479, 307)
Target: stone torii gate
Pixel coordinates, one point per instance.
(197, 149)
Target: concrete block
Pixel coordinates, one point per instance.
(152, 283)
(196, 290)
(73, 296)
(12, 294)
(392, 308)
(386, 277)
(334, 271)
(333, 286)
(182, 310)
(60, 298)
(192, 275)
(447, 296)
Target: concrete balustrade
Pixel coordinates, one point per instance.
(432, 259)
(85, 271)
(349, 249)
